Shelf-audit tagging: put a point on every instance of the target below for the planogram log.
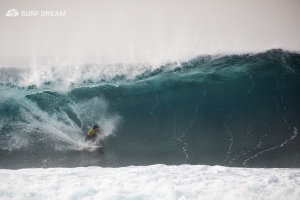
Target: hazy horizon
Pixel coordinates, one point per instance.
(129, 31)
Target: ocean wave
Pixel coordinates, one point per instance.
(233, 110)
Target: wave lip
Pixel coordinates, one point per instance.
(63, 76)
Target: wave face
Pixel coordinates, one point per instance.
(236, 110)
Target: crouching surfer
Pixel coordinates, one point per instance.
(92, 134)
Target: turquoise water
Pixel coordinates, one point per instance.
(233, 110)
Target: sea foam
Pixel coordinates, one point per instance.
(151, 182)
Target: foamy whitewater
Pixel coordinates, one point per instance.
(212, 127)
(151, 182)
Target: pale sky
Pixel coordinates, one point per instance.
(142, 30)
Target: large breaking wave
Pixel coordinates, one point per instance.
(234, 110)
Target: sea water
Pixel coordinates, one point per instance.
(212, 124)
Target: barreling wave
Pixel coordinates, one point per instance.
(233, 110)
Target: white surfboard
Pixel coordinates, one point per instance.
(94, 146)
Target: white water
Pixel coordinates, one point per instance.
(150, 182)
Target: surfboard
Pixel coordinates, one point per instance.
(95, 146)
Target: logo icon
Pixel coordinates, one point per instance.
(12, 13)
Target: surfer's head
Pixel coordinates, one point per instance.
(96, 127)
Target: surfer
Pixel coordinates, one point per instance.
(92, 134)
